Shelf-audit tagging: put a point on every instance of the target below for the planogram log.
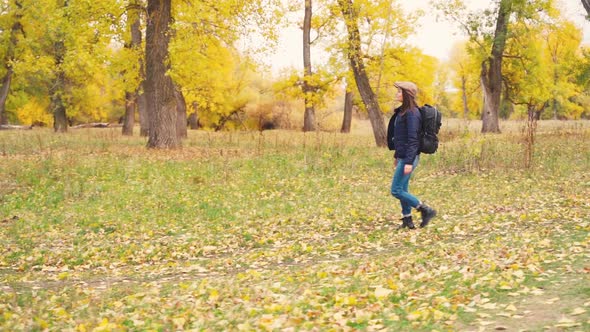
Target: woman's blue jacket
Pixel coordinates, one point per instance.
(403, 134)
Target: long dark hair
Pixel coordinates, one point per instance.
(408, 102)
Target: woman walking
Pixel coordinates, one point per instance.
(403, 136)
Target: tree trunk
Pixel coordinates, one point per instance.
(180, 114)
(58, 88)
(360, 75)
(4, 95)
(129, 119)
(491, 71)
(7, 79)
(193, 119)
(159, 88)
(60, 120)
(464, 92)
(530, 131)
(141, 98)
(308, 89)
(347, 120)
(586, 4)
(142, 109)
(131, 98)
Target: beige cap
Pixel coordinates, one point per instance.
(410, 87)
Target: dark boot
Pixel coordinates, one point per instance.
(427, 214)
(407, 222)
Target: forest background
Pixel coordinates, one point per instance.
(81, 62)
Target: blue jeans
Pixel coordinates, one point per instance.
(400, 184)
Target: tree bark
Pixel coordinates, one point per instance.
(159, 88)
(193, 119)
(181, 120)
(131, 98)
(142, 109)
(58, 88)
(586, 4)
(491, 71)
(7, 79)
(129, 119)
(308, 89)
(60, 120)
(347, 120)
(4, 95)
(360, 75)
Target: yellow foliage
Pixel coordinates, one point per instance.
(35, 111)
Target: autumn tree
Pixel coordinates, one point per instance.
(209, 63)
(491, 70)
(355, 56)
(348, 104)
(309, 116)
(62, 64)
(159, 87)
(13, 16)
(134, 99)
(492, 43)
(562, 41)
(466, 78)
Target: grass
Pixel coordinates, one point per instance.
(271, 230)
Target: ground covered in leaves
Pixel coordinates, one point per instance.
(292, 231)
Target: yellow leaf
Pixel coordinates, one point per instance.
(414, 315)
(351, 300)
(179, 322)
(382, 293)
(438, 315)
(553, 300)
(578, 311)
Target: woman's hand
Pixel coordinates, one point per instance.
(408, 169)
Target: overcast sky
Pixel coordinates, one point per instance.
(434, 38)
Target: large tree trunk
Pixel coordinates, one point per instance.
(586, 4)
(360, 75)
(129, 119)
(181, 120)
(491, 71)
(159, 87)
(308, 89)
(193, 119)
(131, 98)
(347, 120)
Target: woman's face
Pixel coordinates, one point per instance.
(398, 96)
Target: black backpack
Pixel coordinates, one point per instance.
(431, 122)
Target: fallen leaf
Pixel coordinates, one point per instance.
(578, 311)
(382, 293)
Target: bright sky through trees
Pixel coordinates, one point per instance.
(435, 38)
